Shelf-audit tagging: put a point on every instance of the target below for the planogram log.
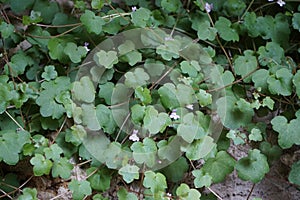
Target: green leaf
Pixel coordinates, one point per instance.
(28, 194)
(97, 4)
(260, 80)
(191, 68)
(224, 27)
(219, 166)
(129, 53)
(99, 197)
(190, 128)
(84, 90)
(6, 30)
(243, 65)
(255, 135)
(296, 21)
(47, 10)
(18, 63)
(234, 113)
(76, 135)
(176, 170)
(125, 195)
(200, 148)
(201, 24)
(204, 98)
(62, 167)
(143, 94)
(170, 49)
(294, 176)
(106, 91)
(141, 17)
(171, 5)
(145, 152)
(234, 7)
(34, 17)
(296, 82)
(41, 165)
(11, 144)
(92, 22)
(237, 137)
(132, 57)
(56, 48)
(75, 53)
(273, 152)
(136, 78)
(53, 152)
(100, 180)
(155, 181)
(154, 68)
(61, 19)
(288, 131)
(106, 59)
(281, 82)
(202, 179)
(129, 173)
(106, 119)
(253, 167)
(80, 188)
(49, 73)
(185, 193)
(155, 122)
(113, 155)
(47, 100)
(173, 97)
(137, 113)
(19, 6)
(250, 24)
(267, 101)
(271, 53)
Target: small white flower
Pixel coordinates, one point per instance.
(133, 137)
(169, 196)
(190, 106)
(270, 0)
(280, 3)
(133, 8)
(174, 115)
(169, 38)
(208, 7)
(86, 44)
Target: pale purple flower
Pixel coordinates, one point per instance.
(133, 8)
(208, 7)
(134, 137)
(190, 106)
(86, 44)
(280, 3)
(174, 115)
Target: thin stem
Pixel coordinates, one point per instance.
(15, 121)
(5, 194)
(242, 17)
(57, 26)
(55, 36)
(220, 198)
(219, 42)
(252, 188)
(60, 128)
(235, 82)
(122, 126)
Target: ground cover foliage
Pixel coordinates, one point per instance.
(142, 99)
